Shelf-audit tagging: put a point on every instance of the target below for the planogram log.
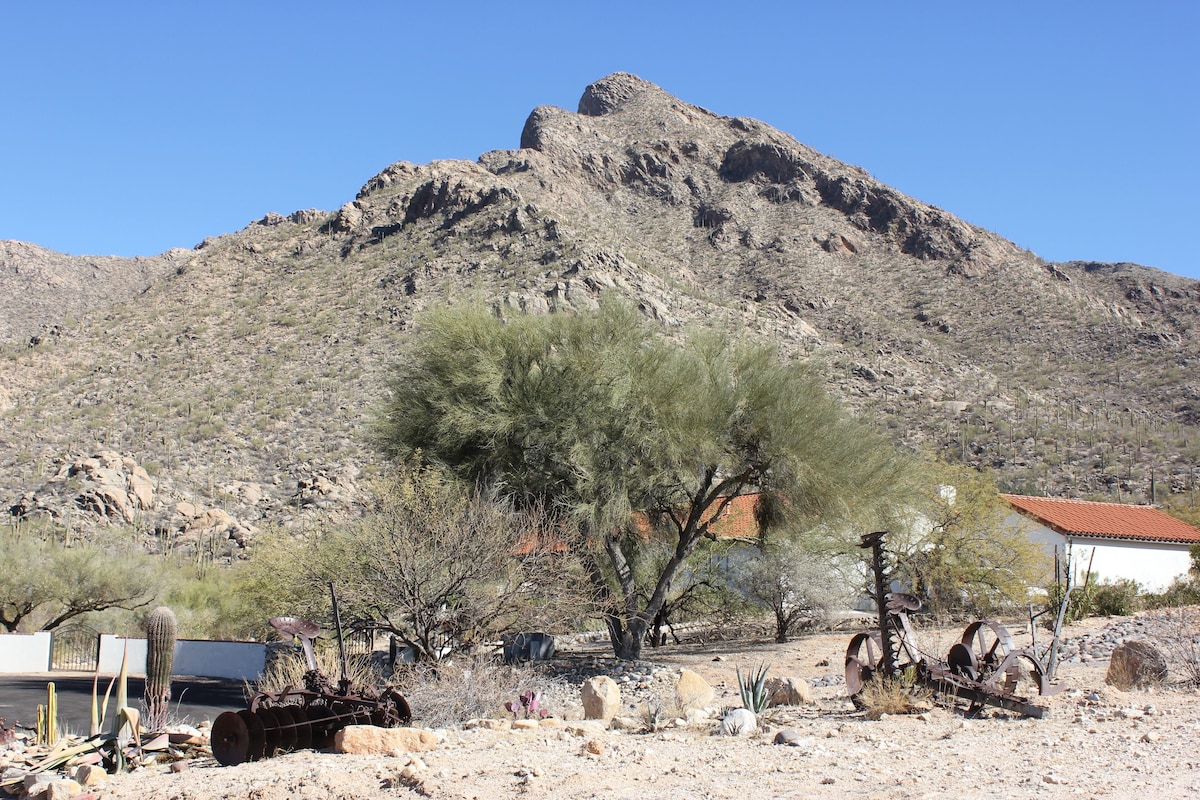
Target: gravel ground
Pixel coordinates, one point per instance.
(1095, 742)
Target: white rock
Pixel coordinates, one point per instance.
(739, 722)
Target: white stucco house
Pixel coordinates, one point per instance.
(1111, 540)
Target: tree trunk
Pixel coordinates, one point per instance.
(627, 639)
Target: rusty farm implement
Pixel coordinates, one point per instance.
(985, 667)
(308, 716)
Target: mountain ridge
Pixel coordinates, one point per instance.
(253, 359)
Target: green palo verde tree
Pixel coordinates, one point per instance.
(959, 553)
(598, 415)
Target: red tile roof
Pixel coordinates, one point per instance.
(1105, 520)
(737, 520)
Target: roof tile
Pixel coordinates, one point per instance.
(1105, 520)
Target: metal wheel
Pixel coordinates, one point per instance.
(1019, 674)
(392, 710)
(287, 728)
(862, 661)
(229, 739)
(303, 729)
(989, 643)
(322, 725)
(258, 739)
(272, 740)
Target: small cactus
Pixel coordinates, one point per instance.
(160, 658)
(51, 714)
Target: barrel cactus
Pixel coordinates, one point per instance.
(160, 657)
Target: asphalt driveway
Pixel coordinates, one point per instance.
(192, 699)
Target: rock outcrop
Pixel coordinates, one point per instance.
(105, 487)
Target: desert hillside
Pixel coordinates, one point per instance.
(227, 387)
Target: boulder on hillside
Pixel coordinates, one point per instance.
(326, 488)
(191, 527)
(104, 487)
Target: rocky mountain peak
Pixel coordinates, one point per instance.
(609, 94)
(245, 358)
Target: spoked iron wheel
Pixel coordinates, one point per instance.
(1019, 674)
(989, 643)
(862, 661)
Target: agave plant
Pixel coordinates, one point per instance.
(753, 688)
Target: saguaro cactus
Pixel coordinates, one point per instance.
(160, 658)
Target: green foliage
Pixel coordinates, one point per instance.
(1079, 607)
(596, 415)
(1116, 598)
(1097, 598)
(753, 688)
(225, 603)
(48, 581)
(960, 555)
(1183, 591)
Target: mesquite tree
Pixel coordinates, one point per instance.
(597, 415)
(48, 582)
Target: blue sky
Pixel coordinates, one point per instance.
(132, 127)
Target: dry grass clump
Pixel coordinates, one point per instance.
(288, 667)
(1183, 643)
(452, 692)
(884, 695)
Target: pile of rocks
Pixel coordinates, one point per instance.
(1170, 629)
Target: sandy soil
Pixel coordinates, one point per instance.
(1095, 742)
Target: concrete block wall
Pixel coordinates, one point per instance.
(25, 652)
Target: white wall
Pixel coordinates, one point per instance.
(25, 652)
(194, 657)
(1153, 565)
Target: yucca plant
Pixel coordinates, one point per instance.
(753, 688)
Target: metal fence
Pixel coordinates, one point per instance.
(75, 647)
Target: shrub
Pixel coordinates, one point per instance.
(1117, 599)
(1183, 591)
(887, 695)
(1097, 598)
(452, 692)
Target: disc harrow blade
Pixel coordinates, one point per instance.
(287, 728)
(230, 739)
(271, 735)
(258, 738)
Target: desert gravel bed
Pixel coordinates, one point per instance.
(1095, 742)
